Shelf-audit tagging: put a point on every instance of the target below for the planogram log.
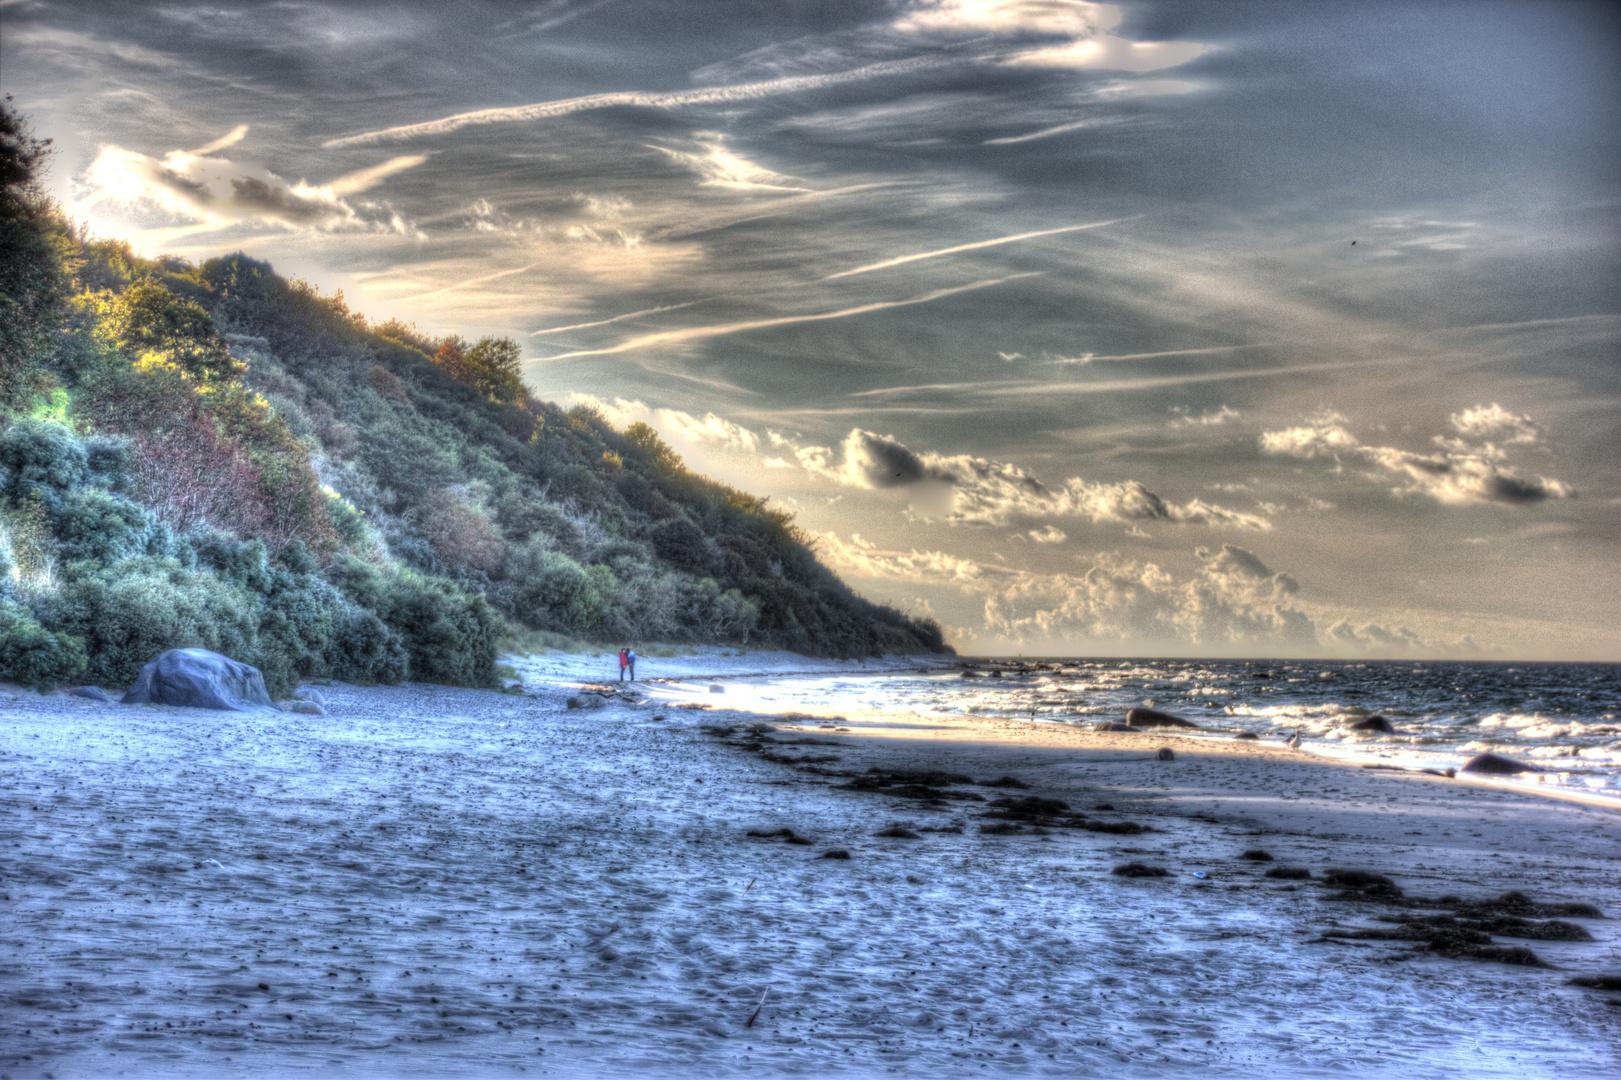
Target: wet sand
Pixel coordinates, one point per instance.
(445, 882)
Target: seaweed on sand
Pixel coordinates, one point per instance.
(1137, 869)
(1361, 885)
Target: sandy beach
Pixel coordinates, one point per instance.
(432, 881)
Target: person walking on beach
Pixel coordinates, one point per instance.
(630, 659)
(624, 662)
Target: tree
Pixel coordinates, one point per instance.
(34, 282)
(148, 320)
(494, 368)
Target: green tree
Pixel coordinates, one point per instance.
(147, 319)
(494, 368)
(34, 281)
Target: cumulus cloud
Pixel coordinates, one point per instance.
(1231, 599)
(201, 188)
(1074, 34)
(978, 491)
(674, 423)
(1459, 472)
(1052, 534)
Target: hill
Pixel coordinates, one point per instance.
(214, 455)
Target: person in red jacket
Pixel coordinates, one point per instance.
(624, 662)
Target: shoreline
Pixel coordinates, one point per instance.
(442, 882)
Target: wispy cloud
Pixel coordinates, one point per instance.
(711, 95)
(976, 245)
(694, 333)
(627, 316)
(198, 187)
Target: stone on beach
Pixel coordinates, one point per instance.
(93, 693)
(1375, 723)
(200, 679)
(1166, 754)
(1142, 718)
(587, 701)
(1112, 726)
(307, 708)
(1497, 765)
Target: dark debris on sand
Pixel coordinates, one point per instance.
(1004, 782)
(1288, 873)
(1137, 869)
(786, 834)
(1466, 931)
(1256, 855)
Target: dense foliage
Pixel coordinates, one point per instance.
(213, 455)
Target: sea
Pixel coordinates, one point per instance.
(1564, 719)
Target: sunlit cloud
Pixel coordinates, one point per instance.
(202, 189)
(1082, 30)
(1460, 472)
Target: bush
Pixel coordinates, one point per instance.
(129, 613)
(33, 655)
(449, 635)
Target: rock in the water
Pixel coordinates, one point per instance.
(1154, 718)
(1114, 727)
(200, 679)
(94, 693)
(308, 708)
(1165, 754)
(309, 693)
(1375, 723)
(1246, 736)
(1497, 765)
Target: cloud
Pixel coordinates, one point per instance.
(1232, 598)
(712, 95)
(978, 491)
(203, 189)
(723, 168)
(1209, 419)
(616, 318)
(902, 259)
(1052, 534)
(1485, 421)
(1081, 31)
(674, 423)
(693, 333)
(1461, 472)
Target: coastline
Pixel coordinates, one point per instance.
(639, 925)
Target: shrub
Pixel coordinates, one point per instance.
(33, 655)
(449, 635)
(460, 535)
(129, 613)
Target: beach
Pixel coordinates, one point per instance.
(433, 881)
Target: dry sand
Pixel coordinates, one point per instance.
(446, 882)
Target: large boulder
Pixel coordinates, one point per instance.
(1154, 718)
(200, 679)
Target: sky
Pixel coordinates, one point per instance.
(1161, 328)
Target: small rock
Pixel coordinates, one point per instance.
(309, 693)
(94, 693)
(1112, 726)
(1375, 723)
(1165, 754)
(587, 701)
(1246, 736)
(1288, 873)
(1256, 855)
(1154, 718)
(308, 708)
(1497, 765)
(836, 853)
